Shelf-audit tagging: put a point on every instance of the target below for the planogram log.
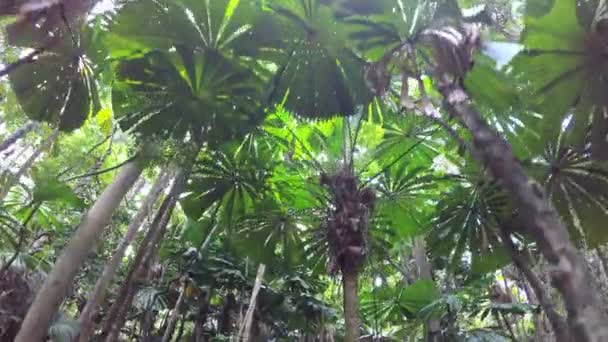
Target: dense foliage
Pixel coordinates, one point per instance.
(303, 170)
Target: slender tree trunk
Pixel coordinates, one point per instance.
(12, 180)
(175, 314)
(146, 251)
(424, 272)
(569, 276)
(116, 319)
(225, 320)
(148, 248)
(351, 304)
(147, 325)
(18, 134)
(560, 327)
(594, 265)
(139, 185)
(500, 318)
(97, 295)
(55, 287)
(180, 330)
(539, 318)
(245, 329)
(201, 317)
(407, 274)
(209, 238)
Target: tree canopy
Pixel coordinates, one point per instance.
(303, 170)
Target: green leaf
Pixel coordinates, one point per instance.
(490, 87)
(577, 185)
(104, 120)
(170, 94)
(561, 70)
(195, 232)
(418, 295)
(51, 190)
(318, 75)
(401, 219)
(538, 8)
(55, 89)
(488, 262)
(514, 308)
(467, 218)
(218, 24)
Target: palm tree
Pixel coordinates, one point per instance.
(340, 211)
(318, 138)
(453, 48)
(221, 91)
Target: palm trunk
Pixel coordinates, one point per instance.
(225, 320)
(559, 325)
(18, 134)
(12, 180)
(180, 330)
(97, 295)
(587, 321)
(115, 318)
(50, 296)
(147, 324)
(424, 272)
(245, 329)
(351, 303)
(175, 314)
(201, 318)
(594, 265)
(146, 252)
(147, 249)
(539, 317)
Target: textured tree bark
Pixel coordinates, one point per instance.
(424, 272)
(147, 326)
(594, 265)
(97, 295)
(175, 314)
(114, 324)
(18, 134)
(55, 287)
(586, 320)
(351, 304)
(560, 327)
(245, 329)
(46, 144)
(201, 317)
(140, 184)
(146, 252)
(148, 248)
(225, 320)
